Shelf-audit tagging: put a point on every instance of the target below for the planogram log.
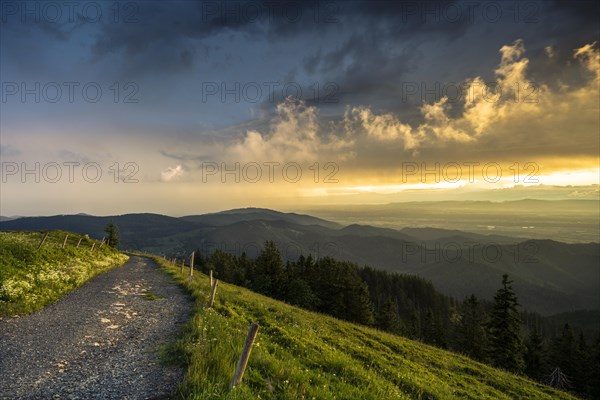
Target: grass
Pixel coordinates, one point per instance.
(151, 296)
(305, 355)
(31, 279)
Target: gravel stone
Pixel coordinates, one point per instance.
(100, 341)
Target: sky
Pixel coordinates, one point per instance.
(185, 107)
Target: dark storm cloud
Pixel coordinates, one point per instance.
(170, 29)
(175, 24)
(364, 50)
(364, 64)
(379, 45)
(561, 26)
(586, 12)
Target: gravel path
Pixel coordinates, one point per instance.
(98, 342)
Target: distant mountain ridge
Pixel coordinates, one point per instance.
(550, 276)
(254, 214)
(3, 218)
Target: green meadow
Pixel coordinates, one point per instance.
(305, 355)
(31, 279)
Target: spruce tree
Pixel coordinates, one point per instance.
(582, 373)
(428, 329)
(504, 330)
(433, 329)
(563, 351)
(594, 388)
(300, 294)
(534, 356)
(112, 234)
(387, 317)
(222, 264)
(199, 262)
(270, 278)
(246, 267)
(356, 296)
(414, 326)
(471, 329)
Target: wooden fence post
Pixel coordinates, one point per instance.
(182, 264)
(210, 278)
(65, 241)
(212, 294)
(243, 361)
(192, 266)
(79, 242)
(43, 240)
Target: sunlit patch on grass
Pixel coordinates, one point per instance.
(32, 278)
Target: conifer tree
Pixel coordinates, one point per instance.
(428, 333)
(199, 262)
(387, 318)
(112, 234)
(414, 326)
(563, 352)
(300, 294)
(471, 329)
(433, 330)
(595, 370)
(356, 296)
(582, 372)
(270, 279)
(534, 355)
(505, 347)
(221, 263)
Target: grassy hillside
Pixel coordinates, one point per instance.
(31, 279)
(304, 355)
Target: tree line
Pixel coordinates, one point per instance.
(492, 332)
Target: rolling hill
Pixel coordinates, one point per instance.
(254, 214)
(550, 277)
